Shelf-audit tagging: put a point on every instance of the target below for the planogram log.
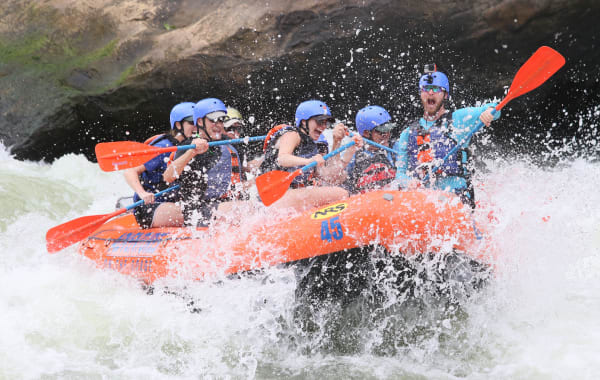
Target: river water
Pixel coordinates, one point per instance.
(63, 318)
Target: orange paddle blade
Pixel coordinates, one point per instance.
(541, 66)
(120, 155)
(71, 232)
(272, 185)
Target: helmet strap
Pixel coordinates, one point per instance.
(204, 129)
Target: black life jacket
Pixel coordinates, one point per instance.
(371, 170)
(306, 149)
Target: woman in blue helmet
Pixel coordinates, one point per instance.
(207, 176)
(293, 147)
(425, 142)
(147, 179)
(371, 167)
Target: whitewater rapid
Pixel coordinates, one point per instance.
(64, 318)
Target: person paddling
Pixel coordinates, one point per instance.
(207, 176)
(424, 143)
(147, 179)
(371, 167)
(291, 147)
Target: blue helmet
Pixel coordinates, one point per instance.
(436, 78)
(181, 111)
(206, 106)
(311, 108)
(371, 117)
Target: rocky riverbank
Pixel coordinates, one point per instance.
(76, 72)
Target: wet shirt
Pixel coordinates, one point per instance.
(464, 121)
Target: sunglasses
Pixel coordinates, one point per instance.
(326, 122)
(432, 87)
(385, 128)
(218, 119)
(233, 128)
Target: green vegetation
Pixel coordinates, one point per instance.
(54, 60)
(24, 52)
(124, 75)
(38, 53)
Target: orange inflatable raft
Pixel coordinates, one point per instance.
(406, 222)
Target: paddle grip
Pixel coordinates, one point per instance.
(328, 155)
(141, 201)
(224, 142)
(371, 142)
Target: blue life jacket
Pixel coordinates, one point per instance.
(431, 146)
(208, 180)
(151, 179)
(306, 149)
(210, 174)
(220, 175)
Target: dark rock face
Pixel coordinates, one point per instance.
(125, 67)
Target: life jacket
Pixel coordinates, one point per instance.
(152, 181)
(429, 147)
(272, 132)
(150, 140)
(371, 170)
(156, 138)
(236, 174)
(306, 149)
(209, 181)
(223, 175)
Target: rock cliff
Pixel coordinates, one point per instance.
(77, 72)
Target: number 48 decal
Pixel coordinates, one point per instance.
(331, 228)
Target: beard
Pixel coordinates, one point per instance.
(432, 106)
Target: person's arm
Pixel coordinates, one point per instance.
(333, 171)
(287, 143)
(176, 168)
(252, 166)
(465, 120)
(132, 177)
(401, 146)
(337, 135)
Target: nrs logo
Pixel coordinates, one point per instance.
(329, 211)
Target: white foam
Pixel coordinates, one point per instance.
(63, 317)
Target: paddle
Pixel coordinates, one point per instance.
(71, 232)
(120, 155)
(535, 71)
(272, 185)
(371, 142)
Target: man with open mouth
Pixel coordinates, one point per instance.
(429, 143)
